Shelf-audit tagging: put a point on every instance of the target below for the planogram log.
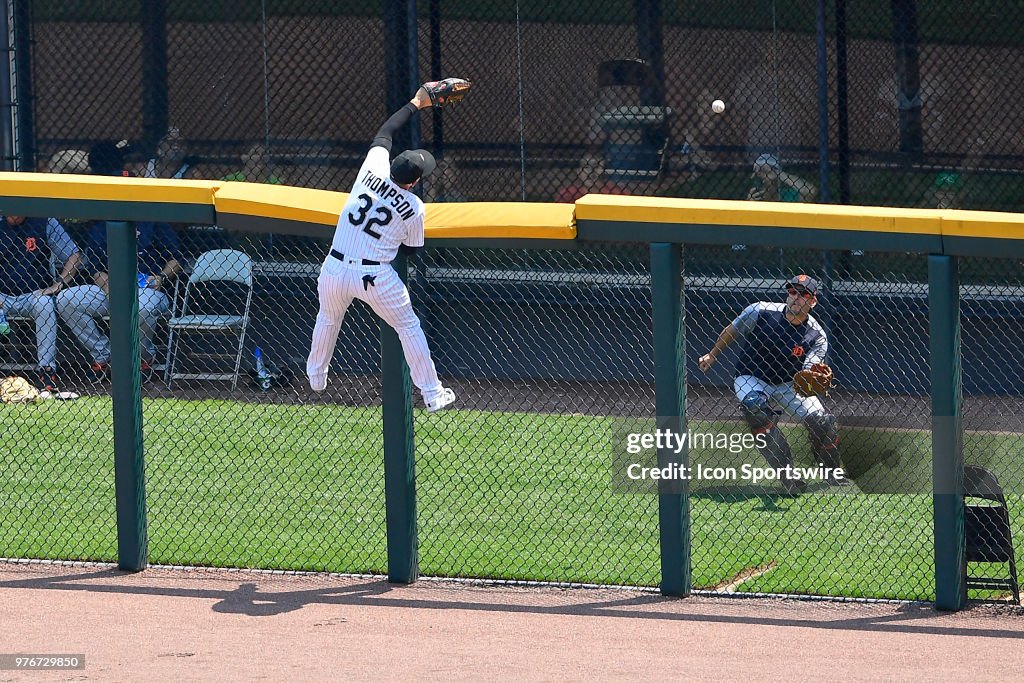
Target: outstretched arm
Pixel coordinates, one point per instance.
(727, 337)
(739, 327)
(399, 119)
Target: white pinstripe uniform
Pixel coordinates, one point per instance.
(378, 217)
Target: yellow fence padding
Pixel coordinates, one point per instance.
(983, 224)
(107, 188)
(501, 220)
(320, 207)
(470, 219)
(512, 220)
(757, 214)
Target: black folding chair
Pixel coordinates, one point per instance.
(987, 536)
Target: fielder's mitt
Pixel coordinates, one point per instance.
(447, 92)
(813, 381)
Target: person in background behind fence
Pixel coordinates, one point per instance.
(257, 165)
(590, 179)
(29, 249)
(780, 340)
(67, 161)
(171, 159)
(381, 215)
(948, 189)
(443, 184)
(82, 307)
(771, 184)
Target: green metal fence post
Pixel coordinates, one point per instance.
(399, 454)
(670, 402)
(947, 431)
(129, 469)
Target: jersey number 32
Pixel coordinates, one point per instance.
(381, 217)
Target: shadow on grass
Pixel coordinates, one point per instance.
(769, 498)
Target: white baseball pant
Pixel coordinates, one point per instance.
(342, 281)
(44, 311)
(782, 394)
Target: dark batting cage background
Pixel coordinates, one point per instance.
(894, 103)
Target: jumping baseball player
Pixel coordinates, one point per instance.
(782, 341)
(382, 214)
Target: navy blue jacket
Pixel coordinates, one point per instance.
(24, 256)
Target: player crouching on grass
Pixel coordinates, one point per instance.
(783, 342)
(381, 215)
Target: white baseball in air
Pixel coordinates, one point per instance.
(718, 106)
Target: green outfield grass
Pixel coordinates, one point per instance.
(502, 495)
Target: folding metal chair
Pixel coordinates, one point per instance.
(987, 536)
(213, 267)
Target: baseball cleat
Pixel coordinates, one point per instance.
(445, 398)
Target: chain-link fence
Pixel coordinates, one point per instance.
(243, 467)
(872, 538)
(991, 308)
(546, 349)
(550, 354)
(882, 103)
(549, 350)
(246, 466)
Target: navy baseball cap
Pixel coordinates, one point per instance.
(411, 165)
(803, 281)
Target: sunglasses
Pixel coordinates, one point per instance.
(802, 292)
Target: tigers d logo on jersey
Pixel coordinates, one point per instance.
(798, 351)
(30, 244)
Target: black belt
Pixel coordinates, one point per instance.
(341, 257)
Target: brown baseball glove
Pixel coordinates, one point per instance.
(813, 381)
(447, 92)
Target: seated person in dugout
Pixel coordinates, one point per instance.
(81, 307)
(158, 259)
(781, 339)
(27, 285)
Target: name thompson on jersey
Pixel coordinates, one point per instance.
(389, 193)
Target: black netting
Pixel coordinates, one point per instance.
(549, 351)
(898, 104)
